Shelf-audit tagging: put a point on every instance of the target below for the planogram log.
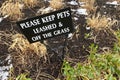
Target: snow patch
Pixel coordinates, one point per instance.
(73, 10)
(70, 35)
(4, 70)
(46, 0)
(75, 18)
(88, 28)
(112, 3)
(74, 3)
(82, 11)
(2, 18)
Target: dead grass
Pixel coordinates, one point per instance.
(56, 4)
(5, 37)
(89, 5)
(30, 3)
(100, 22)
(13, 10)
(21, 44)
(25, 56)
(27, 3)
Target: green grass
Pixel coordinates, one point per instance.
(104, 66)
(20, 77)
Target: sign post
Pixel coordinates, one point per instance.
(47, 26)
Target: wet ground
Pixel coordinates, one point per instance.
(75, 47)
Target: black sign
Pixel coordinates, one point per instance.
(47, 26)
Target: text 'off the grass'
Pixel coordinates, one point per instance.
(47, 26)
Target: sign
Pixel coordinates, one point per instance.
(47, 26)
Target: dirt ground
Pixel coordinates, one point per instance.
(74, 49)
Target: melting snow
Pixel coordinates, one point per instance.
(73, 10)
(46, 0)
(112, 3)
(75, 18)
(73, 3)
(4, 70)
(70, 35)
(2, 18)
(87, 28)
(82, 11)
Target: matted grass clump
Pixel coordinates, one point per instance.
(24, 53)
(90, 5)
(21, 44)
(30, 3)
(100, 21)
(25, 56)
(56, 4)
(12, 9)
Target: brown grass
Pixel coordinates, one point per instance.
(56, 4)
(25, 56)
(13, 10)
(30, 3)
(5, 38)
(100, 22)
(89, 5)
(20, 43)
